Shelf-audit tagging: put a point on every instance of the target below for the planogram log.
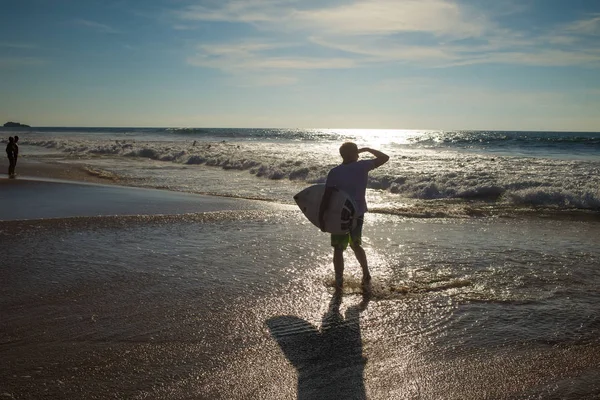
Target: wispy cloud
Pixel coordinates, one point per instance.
(264, 80)
(24, 46)
(588, 26)
(436, 33)
(248, 11)
(386, 17)
(259, 57)
(14, 62)
(364, 17)
(96, 26)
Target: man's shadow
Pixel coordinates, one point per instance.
(330, 362)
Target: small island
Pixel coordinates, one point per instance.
(10, 124)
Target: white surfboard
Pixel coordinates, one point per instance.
(340, 216)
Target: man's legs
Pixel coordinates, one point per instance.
(338, 266)
(11, 166)
(359, 252)
(339, 243)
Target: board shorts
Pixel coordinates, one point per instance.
(354, 237)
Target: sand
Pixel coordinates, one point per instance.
(56, 190)
(28, 169)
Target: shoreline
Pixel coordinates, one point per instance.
(27, 168)
(32, 169)
(45, 190)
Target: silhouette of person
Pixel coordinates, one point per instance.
(350, 177)
(330, 363)
(12, 157)
(16, 150)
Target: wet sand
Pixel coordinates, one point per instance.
(27, 168)
(231, 307)
(47, 190)
(31, 198)
(136, 293)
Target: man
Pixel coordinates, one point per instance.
(12, 158)
(16, 147)
(350, 177)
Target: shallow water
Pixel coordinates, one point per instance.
(240, 304)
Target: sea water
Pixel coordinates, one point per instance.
(429, 173)
(484, 255)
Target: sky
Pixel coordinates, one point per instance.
(390, 64)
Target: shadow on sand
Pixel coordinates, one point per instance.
(329, 362)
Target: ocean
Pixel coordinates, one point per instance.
(196, 277)
(430, 172)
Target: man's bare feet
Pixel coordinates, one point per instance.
(366, 280)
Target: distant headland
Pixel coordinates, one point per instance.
(10, 124)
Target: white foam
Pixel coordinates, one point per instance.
(411, 173)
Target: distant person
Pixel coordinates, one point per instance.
(350, 177)
(16, 150)
(12, 158)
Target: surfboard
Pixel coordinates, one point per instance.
(340, 215)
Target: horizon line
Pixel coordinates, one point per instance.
(291, 128)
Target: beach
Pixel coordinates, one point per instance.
(198, 281)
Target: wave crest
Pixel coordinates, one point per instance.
(422, 176)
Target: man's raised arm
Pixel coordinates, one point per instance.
(380, 158)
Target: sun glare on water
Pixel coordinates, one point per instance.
(377, 137)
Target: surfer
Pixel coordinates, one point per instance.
(16, 144)
(351, 176)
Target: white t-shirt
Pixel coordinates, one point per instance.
(352, 178)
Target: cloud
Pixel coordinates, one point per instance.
(548, 58)
(385, 17)
(361, 33)
(257, 63)
(258, 56)
(14, 62)
(588, 26)
(98, 27)
(269, 80)
(364, 17)
(182, 27)
(17, 55)
(248, 11)
(24, 46)
(376, 49)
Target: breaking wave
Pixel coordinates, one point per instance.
(422, 174)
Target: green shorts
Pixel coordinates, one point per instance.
(354, 237)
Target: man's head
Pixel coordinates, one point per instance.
(11, 139)
(349, 152)
(16, 139)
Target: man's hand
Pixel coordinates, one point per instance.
(380, 158)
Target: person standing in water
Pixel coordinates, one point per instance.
(351, 177)
(12, 158)
(16, 144)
